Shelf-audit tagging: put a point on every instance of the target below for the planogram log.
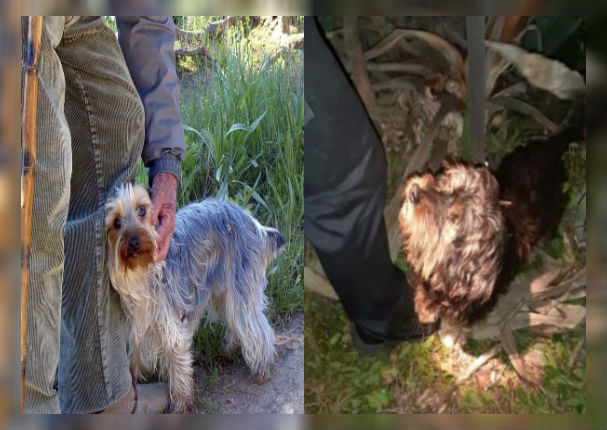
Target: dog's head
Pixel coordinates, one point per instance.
(131, 236)
(453, 229)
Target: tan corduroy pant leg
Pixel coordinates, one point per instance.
(90, 135)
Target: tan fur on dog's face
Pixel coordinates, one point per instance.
(418, 226)
(456, 208)
(453, 231)
(130, 234)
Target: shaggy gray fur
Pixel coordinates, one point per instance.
(217, 261)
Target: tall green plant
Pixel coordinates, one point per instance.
(243, 122)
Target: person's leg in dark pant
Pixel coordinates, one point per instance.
(344, 188)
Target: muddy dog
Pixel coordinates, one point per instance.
(466, 231)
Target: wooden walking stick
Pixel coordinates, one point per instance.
(28, 136)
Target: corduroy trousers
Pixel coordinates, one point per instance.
(90, 134)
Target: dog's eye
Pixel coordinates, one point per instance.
(453, 217)
(117, 223)
(141, 211)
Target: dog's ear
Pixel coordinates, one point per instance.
(489, 180)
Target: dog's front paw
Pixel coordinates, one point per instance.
(453, 336)
(137, 374)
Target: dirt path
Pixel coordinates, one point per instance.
(234, 392)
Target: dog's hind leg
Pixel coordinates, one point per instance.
(181, 377)
(231, 343)
(218, 305)
(245, 319)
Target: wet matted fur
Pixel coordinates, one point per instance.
(217, 261)
(466, 235)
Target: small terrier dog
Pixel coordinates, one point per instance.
(454, 233)
(466, 232)
(216, 262)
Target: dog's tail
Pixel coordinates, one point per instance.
(276, 240)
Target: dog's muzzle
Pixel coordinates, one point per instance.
(133, 246)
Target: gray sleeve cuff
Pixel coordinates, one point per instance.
(165, 164)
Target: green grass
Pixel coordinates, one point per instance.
(337, 380)
(410, 379)
(418, 377)
(243, 122)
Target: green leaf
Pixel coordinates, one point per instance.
(334, 339)
(193, 130)
(378, 399)
(218, 173)
(522, 396)
(261, 201)
(241, 126)
(205, 136)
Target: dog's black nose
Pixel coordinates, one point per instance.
(133, 243)
(414, 194)
(280, 241)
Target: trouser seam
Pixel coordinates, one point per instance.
(97, 226)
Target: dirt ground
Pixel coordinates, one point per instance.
(233, 391)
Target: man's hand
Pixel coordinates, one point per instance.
(164, 198)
